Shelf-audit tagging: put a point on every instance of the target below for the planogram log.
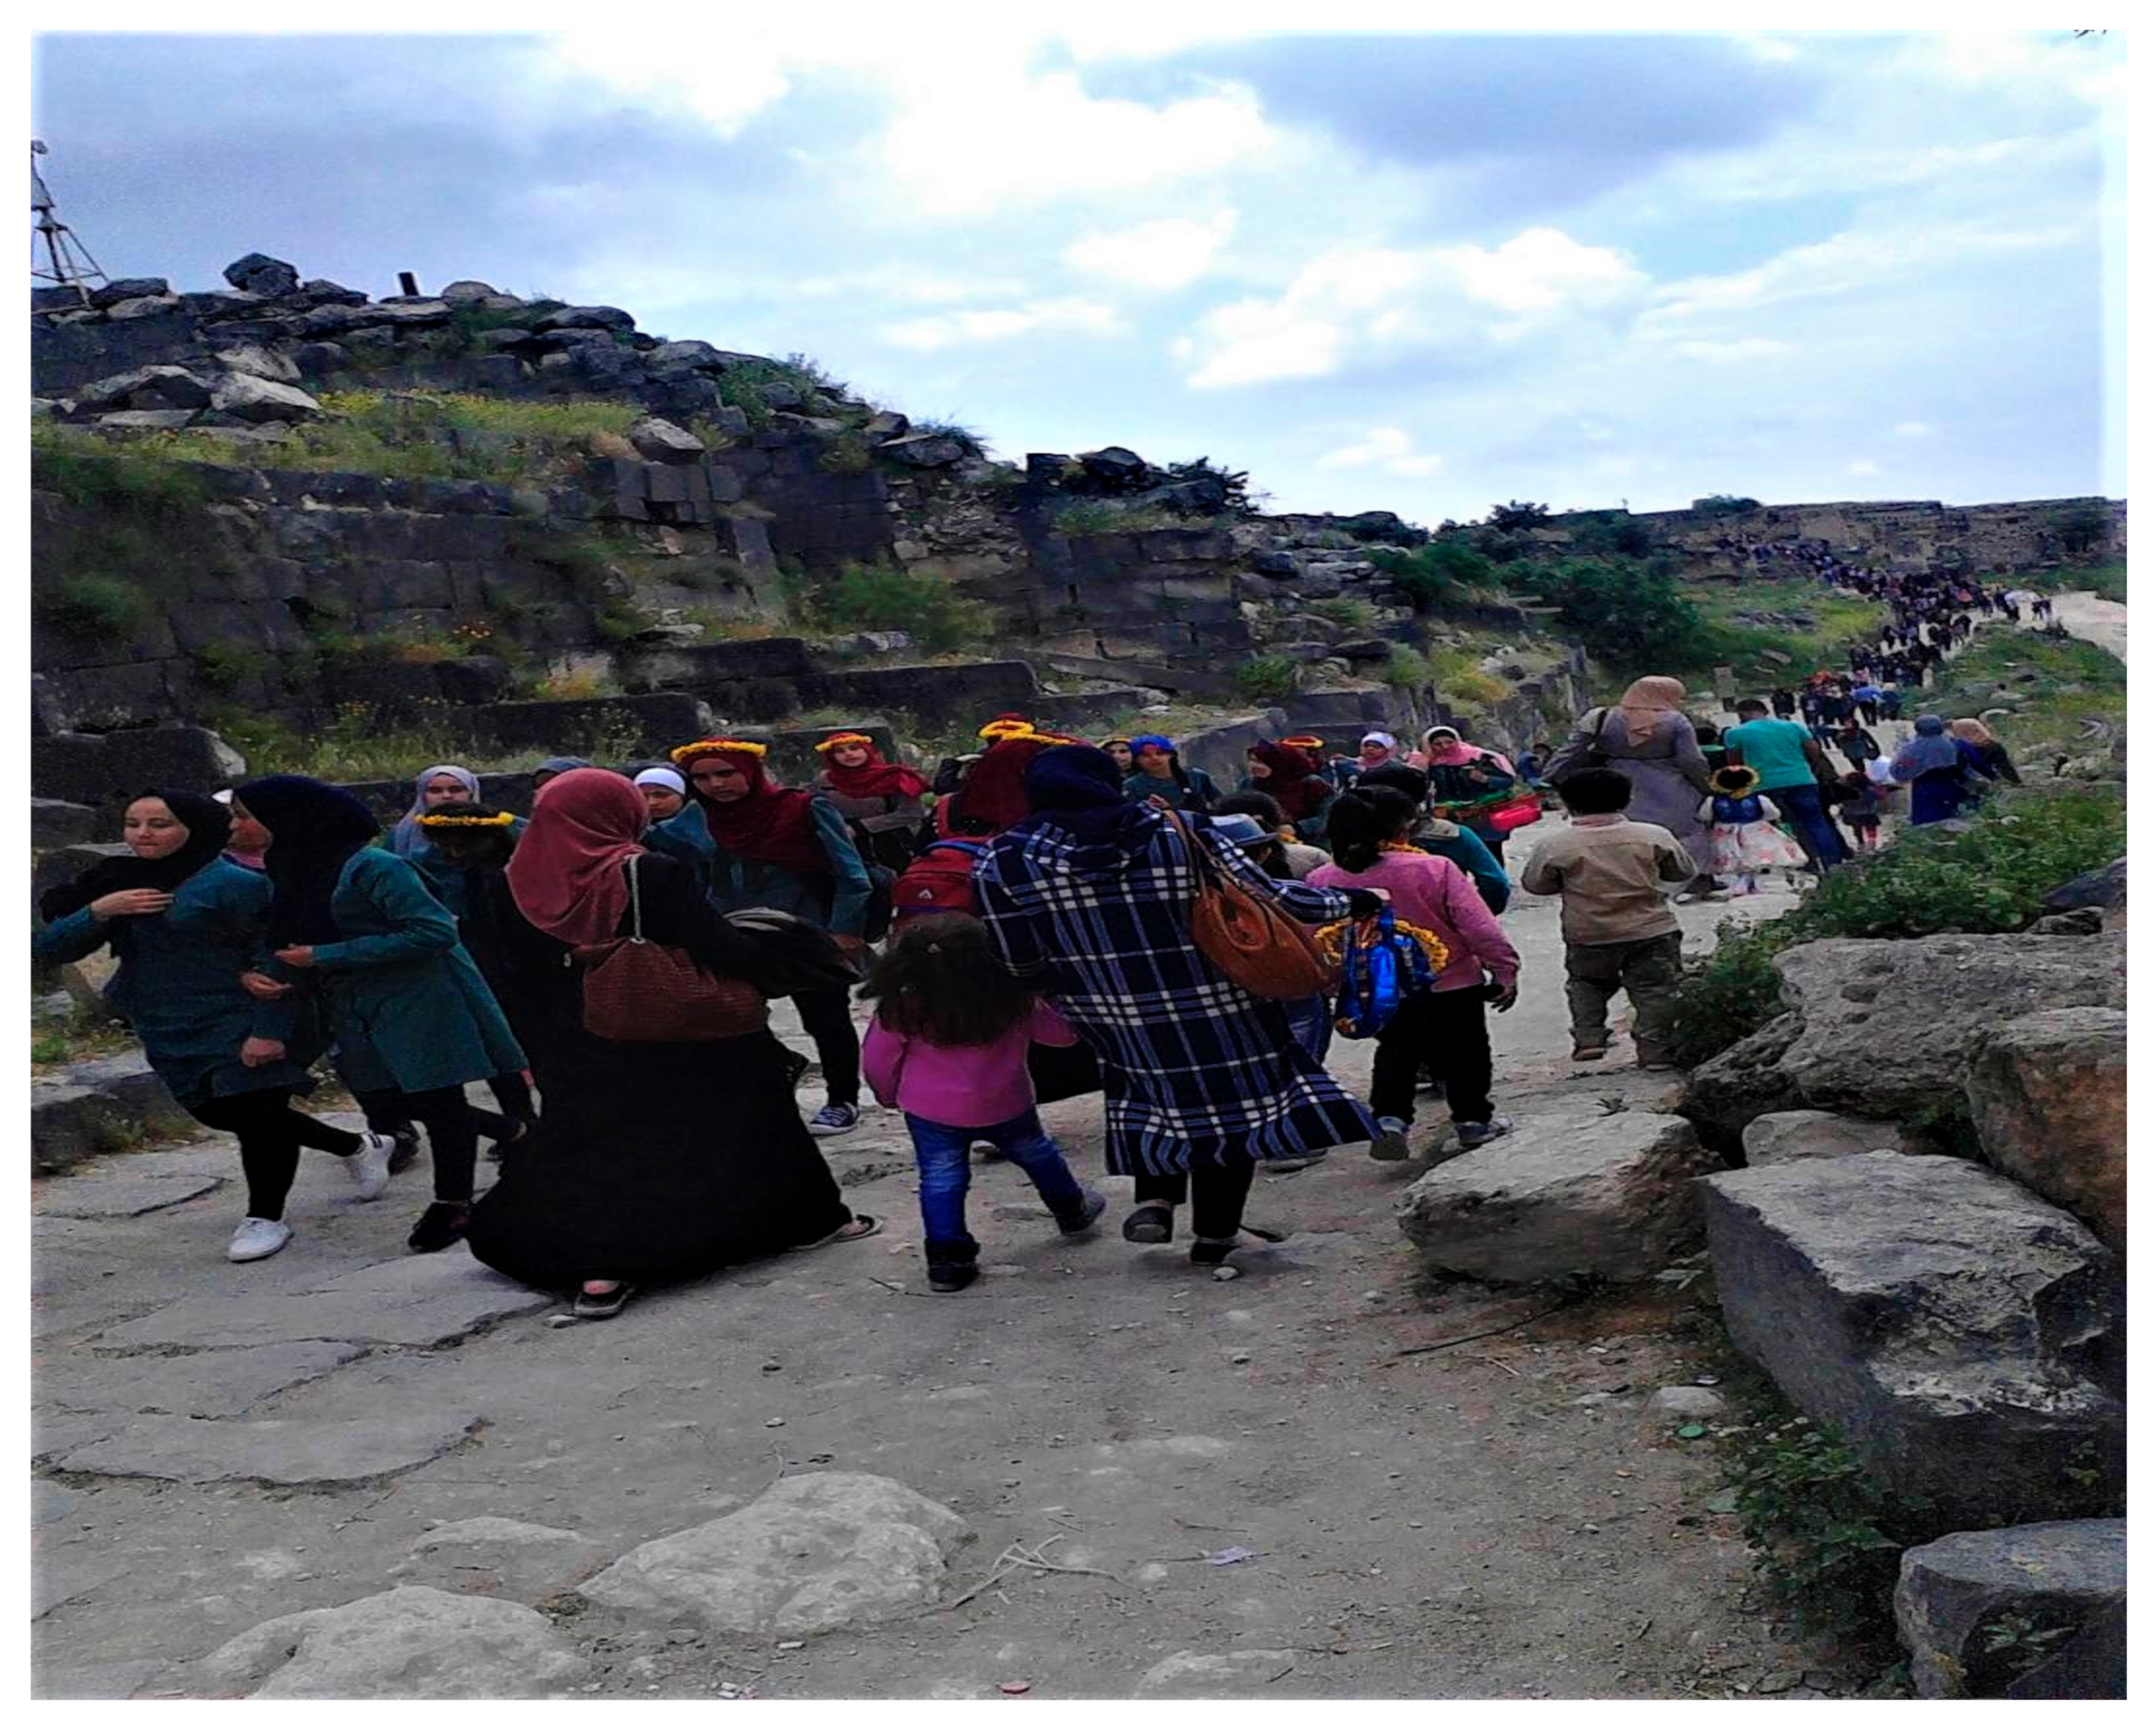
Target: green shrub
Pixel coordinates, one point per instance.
(90, 606)
(1101, 515)
(1725, 504)
(1346, 611)
(1406, 670)
(875, 597)
(225, 665)
(1929, 882)
(148, 473)
(1268, 678)
(849, 453)
(1435, 575)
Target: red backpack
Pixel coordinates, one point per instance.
(940, 880)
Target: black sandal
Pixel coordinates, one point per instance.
(603, 1307)
(1204, 1252)
(1151, 1224)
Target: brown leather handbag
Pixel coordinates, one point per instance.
(637, 990)
(1247, 935)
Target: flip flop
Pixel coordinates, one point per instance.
(603, 1307)
(1151, 1224)
(845, 1233)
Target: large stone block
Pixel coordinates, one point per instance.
(92, 1108)
(932, 694)
(630, 725)
(812, 1554)
(2048, 1095)
(1888, 1028)
(1789, 1135)
(1960, 1333)
(258, 273)
(1958, 1597)
(1609, 1197)
(53, 822)
(257, 400)
(408, 1642)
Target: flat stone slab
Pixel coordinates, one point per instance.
(420, 1301)
(51, 1435)
(285, 1454)
(210, 1382)
(123, 1196)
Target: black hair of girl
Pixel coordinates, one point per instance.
(1262, 805)
(941, 981)
(502, 839)
(1361, 820)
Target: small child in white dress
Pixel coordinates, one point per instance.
(1744, 840)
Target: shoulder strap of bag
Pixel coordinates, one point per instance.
(1202, 861)
(636, 901)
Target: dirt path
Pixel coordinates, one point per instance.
(2102, 622)
(1498, 1519)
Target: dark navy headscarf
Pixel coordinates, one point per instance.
(1078, 788)
(315, 828)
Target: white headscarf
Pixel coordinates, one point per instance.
(666, 777)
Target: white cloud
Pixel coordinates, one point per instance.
(1387, 449)
(1741, 351)
(1862, 466)
(1171, 253)
(1356, 298)
(946, 329)
(1912, 428)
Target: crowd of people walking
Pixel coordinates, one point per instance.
(1040, 919)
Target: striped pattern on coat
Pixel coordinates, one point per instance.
(1194, 1066)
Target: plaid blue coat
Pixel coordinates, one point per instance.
(1194, 1066)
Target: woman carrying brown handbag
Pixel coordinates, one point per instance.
(1090, 899)
(657, 1161)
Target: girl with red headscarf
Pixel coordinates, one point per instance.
(603, 1200)
(1283, 774)
(880, 799)
(753, 844)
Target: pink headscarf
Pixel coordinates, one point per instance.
(566, 873)
(1459, 753)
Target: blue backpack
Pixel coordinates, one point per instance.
(1377, 976)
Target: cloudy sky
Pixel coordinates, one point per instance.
(1420, 272)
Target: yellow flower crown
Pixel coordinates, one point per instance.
(1000, 728)
(715, 745)
(1331, 940)
(1303, 740)
(503, 819)
(840, 740)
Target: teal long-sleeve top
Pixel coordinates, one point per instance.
(1200, 794)
(1449, 839)
(399, 995)
(837, 902)
(179, 984)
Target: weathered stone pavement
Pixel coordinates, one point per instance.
(220, 1446)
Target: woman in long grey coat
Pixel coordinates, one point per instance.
(1646, 737)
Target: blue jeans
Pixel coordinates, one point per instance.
(939, 1153)
(1815, 827)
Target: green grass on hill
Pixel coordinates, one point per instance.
(2073, 681)
(1838, 621)
(2106, 581)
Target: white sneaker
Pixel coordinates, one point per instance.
(1391, 1145)
(369, 1166)
(257, 1238)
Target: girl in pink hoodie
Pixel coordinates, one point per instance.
(1368, 827)
(948, 1045)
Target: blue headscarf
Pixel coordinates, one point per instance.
(1927, 752)
(1155, 738)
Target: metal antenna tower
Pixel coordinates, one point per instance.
(68, 263)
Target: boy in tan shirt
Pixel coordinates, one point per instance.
(1619, 931)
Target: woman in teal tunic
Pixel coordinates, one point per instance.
(407, 1009)
(184, 924)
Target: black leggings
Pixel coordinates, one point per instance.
(827, 1019)
(271, 1132)
(1447, 1031)
(1216, 1191)
(387, 1112)
(452, 1127)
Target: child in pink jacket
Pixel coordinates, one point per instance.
(948, 1047)
(1368, 827)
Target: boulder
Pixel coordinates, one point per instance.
(324, 292)
(257, 362)
(457, 293)
(2082, 920)
(1611, 1196)
(55, 821)
(411, 1641)
(500, 1556)
(586, 317)
(2105, 889)
(147, 387)
(1116, 466)
(1788, 1135)
(258, 273)
(260, 401)
(1888, 1028)
(658, 440)
(318, 359)
(924, 449)
(887, 424)
(685, 356)
(812, 1553)
(1366, 648)
(2048, 1097)
(154, 305)
(128, 288)
(42, 408)
(148, 419)
(1962, 1335)
(1981, 1609)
